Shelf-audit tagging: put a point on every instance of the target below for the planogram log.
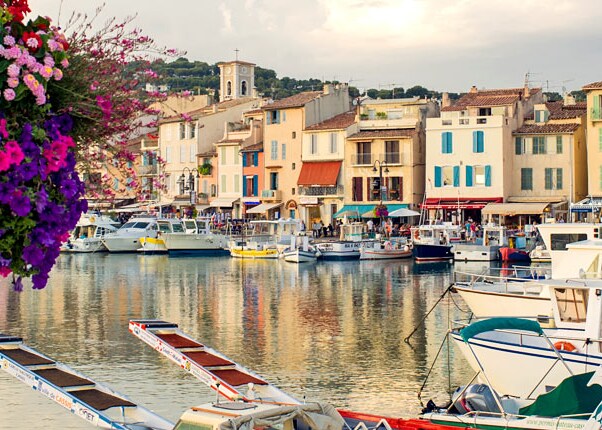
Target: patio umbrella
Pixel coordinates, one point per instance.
(403, 212)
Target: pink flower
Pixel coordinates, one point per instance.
(9, 94)
(13, 71)
(4, 161)
(3, 131)
(48, 61)
(14, 152)
(13, 82)
(58, 74)
(65, 63)
(105, 105)
(9, 40)
(12, 53)
(46, 72)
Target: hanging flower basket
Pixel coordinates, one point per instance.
(381, 211)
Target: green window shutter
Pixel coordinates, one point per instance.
(456, 176)
(437, 176)
(518, 145)
(469, 176)
(559, 179)
(559, 144)
(596, 112)
(548, 179)
(487, 176)
(600, 139)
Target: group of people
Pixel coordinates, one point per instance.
(470, 230)
(321, 230)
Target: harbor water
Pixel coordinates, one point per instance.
(330, 331)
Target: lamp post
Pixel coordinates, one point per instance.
(381, 187)
(188, 184)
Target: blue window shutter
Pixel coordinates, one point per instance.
(277, 117)
(268, 117)
(487, 176)
(480, 141)
(450, 145)
(444, 143)
(244, 186)
(456, 176)
(255, 159)
(255, 185)
(283, 116)
(437, 176)
(469, 176)
(475, 141)
(244, 160)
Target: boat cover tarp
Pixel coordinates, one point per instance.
(315, 415)
(499, 324)
(571, 397)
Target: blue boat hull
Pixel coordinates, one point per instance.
(422, 252)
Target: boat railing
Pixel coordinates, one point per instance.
(502, 275)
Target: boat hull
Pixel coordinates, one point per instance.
(427, 252)
(195, 244)
(299, 256)
(383, 254)
(151, 245)
(122, 244)
(87, 245)
(254, 254)
(471, 252)
(517, 301)
(338, 251)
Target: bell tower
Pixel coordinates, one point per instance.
(237, 79)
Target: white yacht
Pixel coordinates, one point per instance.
(88, 233)
(127, 238)
(195, 238)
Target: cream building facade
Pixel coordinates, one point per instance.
(469, 151)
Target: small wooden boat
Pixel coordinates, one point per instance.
(253, 254)
(385, 250)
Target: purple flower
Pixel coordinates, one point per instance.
(41, 200)
(18, 284)
(69, 188)
(39, 280)
(20, 203)
(32, 255)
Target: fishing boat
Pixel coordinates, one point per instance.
(300, 251)
(263, 237)
(88, 233)
(574, 332)
(201, 241)
(127, 238)
(347, 247)
(390, 249)
(485, 248)
(94, 402)
(432, 242)
(253, 250)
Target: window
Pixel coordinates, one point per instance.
(183, 155)
(553, 179)
(313, 144)
(223, 155)
(224, 179)
(478, 141)
(284, 151)
(572, 304)
(541, 115)
(357, 190)
(273, 117)
(274, 152)
(182, 130)
(364, 153)
(396, 188)
(446, 142)
(485, 111)
(115, 184)
(478, 176)
(519, 145)
(273, 180)
(559, 144)
(243, 88)
(192, 153)
(444, 176)
(374, 188)
(539, 145)
(168, 154)
(559, 241)
(229, 88)
(526, 178)
(294, 134)
(392, 151)
(600, 139)
(236, 183)
(333, 143)
(192, 130)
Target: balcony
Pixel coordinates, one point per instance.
(270, 195)
(335, 190)
(393, 158)
(148, 170)
(364, 159)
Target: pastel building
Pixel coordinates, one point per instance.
(470, 151)
(550, 159)
(385, 157)
(285, 121)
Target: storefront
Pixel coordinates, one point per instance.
(457, 210)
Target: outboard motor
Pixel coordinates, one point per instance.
(476, 398)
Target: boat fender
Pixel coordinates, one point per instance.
(565, 346)
(388, 246)
(406, 248)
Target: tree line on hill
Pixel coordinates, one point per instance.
(203, 78)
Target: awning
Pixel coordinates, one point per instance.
(201, 208)
(461, 203)
(223, 202)
(589, 204)
(514, 209)
(251, 200)
(390, 208)
(403, 212)
(319, 174)
(353, 211)
(263, 208)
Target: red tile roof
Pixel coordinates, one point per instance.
(383, 134)
(547, 129)
(339, 122)
(298, 100)
(593, 86)
(253, 148)
(486, 98)
(319, 173)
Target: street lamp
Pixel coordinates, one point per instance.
(188, 184)
(381, 187)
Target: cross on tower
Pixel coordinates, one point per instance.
(236, 50)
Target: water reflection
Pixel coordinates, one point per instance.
(331, 331)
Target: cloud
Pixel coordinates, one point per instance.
(227, 18)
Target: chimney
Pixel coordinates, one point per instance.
(327, 89)
(569, 100)
(445, 102)
(473, 89)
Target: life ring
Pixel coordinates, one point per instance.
(388, 246)
(565, 346)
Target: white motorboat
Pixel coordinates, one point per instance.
(432, 242)
(347, 247)
(127, 238)
(201, 241)
(574, 331)
(88, 233)
(156, 245)
(392, 249)
(301, 252)
(484, 249)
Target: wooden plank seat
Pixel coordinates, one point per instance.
(62, 379)
(25, 358)
(100, 400)
(235, 377)
(206, 359)
(177, 341)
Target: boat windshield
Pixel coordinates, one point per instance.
(140, 225)
(177, 228)
(572, 304)
(128, 225)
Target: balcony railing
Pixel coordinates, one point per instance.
(391, 158)
(363, 159)
(148, 170)
(322, 191)
(271, 194)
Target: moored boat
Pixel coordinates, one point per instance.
(88, 233)
(391, 249)
(347, 247)
(127, 238)
(432, 242)
(202, 242)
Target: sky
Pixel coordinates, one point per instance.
(443, 45)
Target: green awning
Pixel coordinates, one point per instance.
(571, 397)
(499, 324)
(353, 211)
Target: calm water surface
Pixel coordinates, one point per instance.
(327, 331)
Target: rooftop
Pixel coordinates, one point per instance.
(338, 122)
(547, 129)
(383, 134)
(487, 98)
(593, 86)
(298, 100)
